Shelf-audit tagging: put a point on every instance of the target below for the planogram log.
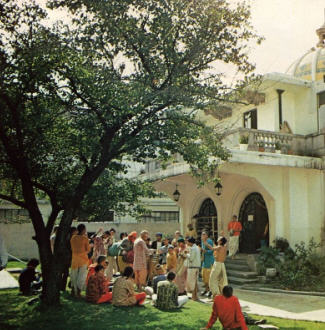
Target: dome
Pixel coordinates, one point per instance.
(311, 66)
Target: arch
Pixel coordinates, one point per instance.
(253, 215)
(207, 218)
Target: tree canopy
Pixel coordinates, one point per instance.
(114, 80)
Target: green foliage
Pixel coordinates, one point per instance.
(243, 139)
(268, 258)
(281, 244)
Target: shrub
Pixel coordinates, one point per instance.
(281, 244)
(243, 139)
(268, 258)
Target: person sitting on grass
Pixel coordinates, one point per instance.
(101, 260)
(167, 294)
(97, 291)
(123, 290)
(29, 283)
(226, 307)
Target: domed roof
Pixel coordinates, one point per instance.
(311, 66)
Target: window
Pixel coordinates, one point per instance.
(160, 216)
(250, 119)
(321, 99)
(13, 215)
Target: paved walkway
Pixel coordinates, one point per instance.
(289, 306)
(7, 281)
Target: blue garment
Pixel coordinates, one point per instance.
(208, 258)
(156, 280)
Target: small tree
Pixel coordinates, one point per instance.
(76, 99)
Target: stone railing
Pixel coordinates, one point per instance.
(267, 140)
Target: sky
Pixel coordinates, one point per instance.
(289, 29)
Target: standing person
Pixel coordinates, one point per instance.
(141, 252)
(167, 294)
(163, 251)
(68, 258)
(112, 265)
(99, 244)
(208, 260)
(234, 228)
(194, 264)
(3, 253)
(181, 269)
(171, 259)
(97, 290)
(157, 244)
(176, 237)
(123, 290)
(191, 232)
(226, 307)
(53, 236)
(80, 248)
(125, 250)
(218, 276)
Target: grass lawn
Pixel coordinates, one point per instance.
(15, 313)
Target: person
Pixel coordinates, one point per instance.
(3, 253)
(194, 264)
(207, 262)
(234, 229)
(161, 276)
(28, 281)
(80, 248)
(157, 244)
(112, 265)
(218, 276)
(191, 232)
(53, 236)
(99, 244)
(122, 236)
(101, 260)
(123, 290)
(181, 269)
(167, 294)
(226, 307)
(176, 237)
(171, 259)
(163, 250)
(141, 252)
(125, 249)
(67, 259)
(97, 291)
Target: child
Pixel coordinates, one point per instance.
(28, 281)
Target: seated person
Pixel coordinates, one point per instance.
(123, 290)
(97, 291)
(101, 260)
(167, 294)
(28, 281)
(226, 307)
(161, 276)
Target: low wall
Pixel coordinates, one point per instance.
(19, 242)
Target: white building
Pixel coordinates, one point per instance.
(286, 190)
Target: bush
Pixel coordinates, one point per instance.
(268, 258)
(281, 244)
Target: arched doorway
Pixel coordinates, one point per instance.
(207, 219)
(255, 221)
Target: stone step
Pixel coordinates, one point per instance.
(229, 261)
(241, 281)
(240, 274)
(243, 268)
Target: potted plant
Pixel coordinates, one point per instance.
(277, 147)
(261, 146)
(243, 142)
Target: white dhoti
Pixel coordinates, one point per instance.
(233, 245)
(192, 277)
(78, 278)
(218, 278)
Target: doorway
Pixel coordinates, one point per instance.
(255, 221)
(207, 219)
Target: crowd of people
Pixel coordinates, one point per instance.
(128, 270)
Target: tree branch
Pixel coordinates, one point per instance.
(13, 200)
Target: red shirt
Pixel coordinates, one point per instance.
(229, 313)
(236, 227)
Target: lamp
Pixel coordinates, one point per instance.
(176, 194)
(218, 186)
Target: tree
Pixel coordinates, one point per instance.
(116, 82)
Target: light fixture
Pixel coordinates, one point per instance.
(218, 186)
(176, 194)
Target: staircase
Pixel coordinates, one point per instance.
(238, 271)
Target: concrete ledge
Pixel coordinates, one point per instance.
(304, 293)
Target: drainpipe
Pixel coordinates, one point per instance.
(280, 91)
